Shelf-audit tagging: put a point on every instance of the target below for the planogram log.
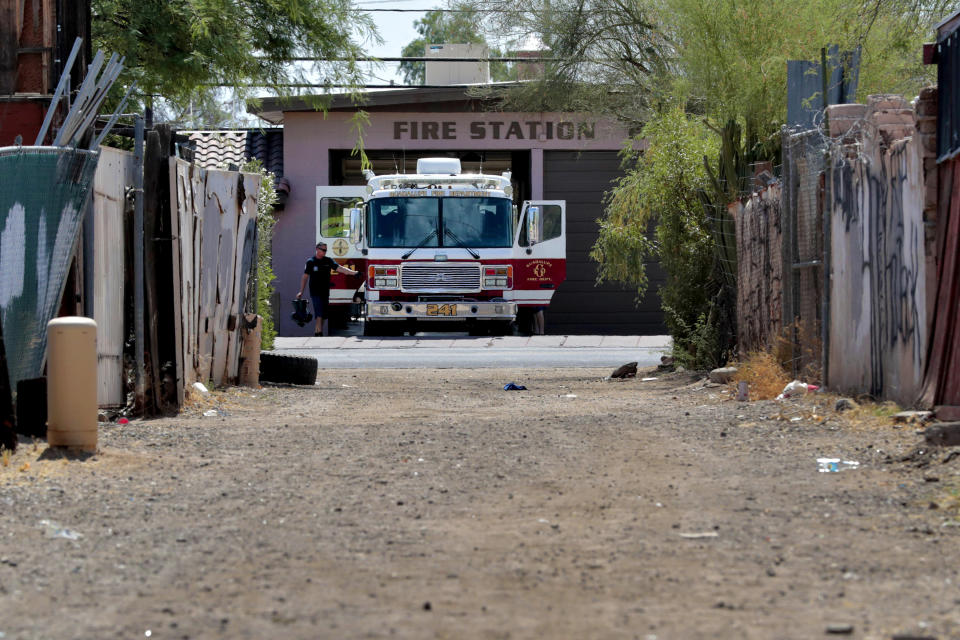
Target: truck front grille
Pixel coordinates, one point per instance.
(440, 277)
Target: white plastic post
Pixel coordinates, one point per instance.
(72, 383)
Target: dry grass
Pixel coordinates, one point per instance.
(948, 499)
(221, 399)
(764, 375)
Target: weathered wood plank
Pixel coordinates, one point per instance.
(208, 268)
(151, 157)
(114, 174)
(185, 221)
(198, 190)
(176, 263)
(246, 226)
(227, 197)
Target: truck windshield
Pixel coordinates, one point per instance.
(405, 222)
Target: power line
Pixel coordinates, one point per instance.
(427, 59)
(308, 85)
(504, 11)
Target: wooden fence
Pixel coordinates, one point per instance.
(760, 268)
(111, 203)
(213, 216)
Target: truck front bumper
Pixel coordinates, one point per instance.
(441, 310)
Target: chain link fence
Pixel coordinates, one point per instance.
(803, 249)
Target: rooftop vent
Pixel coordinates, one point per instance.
(440, 72)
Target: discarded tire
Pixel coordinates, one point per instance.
(275, 367)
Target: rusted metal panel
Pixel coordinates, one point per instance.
(114, 175)
(948, 80)
(942, 380)
(9, 43)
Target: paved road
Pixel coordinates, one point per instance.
(446, 351)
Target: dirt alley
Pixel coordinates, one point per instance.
(434, 504)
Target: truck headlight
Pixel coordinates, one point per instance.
(383, 277)
(500, 277)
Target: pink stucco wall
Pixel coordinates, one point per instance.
(309, 136)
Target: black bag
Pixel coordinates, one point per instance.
(300, 314)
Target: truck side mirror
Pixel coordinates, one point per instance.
(534, 225)
(356, 216)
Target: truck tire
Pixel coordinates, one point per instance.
(380, 328)
(503, 328)
(275, 367)
(372, 328)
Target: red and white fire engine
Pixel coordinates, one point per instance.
(442, 250)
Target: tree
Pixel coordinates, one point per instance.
(662, 189)
(605, 56)
(725, 58)
(724, 62)
(182, 49)
(460, 26)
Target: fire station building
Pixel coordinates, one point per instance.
(552, 156)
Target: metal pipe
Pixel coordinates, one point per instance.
(88, 110)
(109, 76)
(140, 388)
(828, 176)
(113, 119)
(85, 88)
(61, 85)
(86, 101)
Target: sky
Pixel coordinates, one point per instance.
(397, 31)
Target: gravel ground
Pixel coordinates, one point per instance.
(433, 504)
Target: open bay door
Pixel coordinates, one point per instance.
(333, 227)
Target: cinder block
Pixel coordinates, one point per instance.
(893, 116)
(846, 111)
(929, 93)
(945, 434)
(927, 125)
(886, 101)
(894, 132)
(842, 125)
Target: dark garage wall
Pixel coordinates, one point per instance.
(580, 306)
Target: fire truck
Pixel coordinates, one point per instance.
(442, 250)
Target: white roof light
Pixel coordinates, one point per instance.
(437, 166)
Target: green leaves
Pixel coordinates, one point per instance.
(177, 49)
(653, 211)
(439, 27)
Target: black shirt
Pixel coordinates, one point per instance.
(319, 271)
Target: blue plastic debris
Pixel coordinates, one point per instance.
(513, 386)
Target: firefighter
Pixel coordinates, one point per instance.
(317, 272)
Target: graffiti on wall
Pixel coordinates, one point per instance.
(877, 335)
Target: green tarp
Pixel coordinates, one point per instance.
(43, 193)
